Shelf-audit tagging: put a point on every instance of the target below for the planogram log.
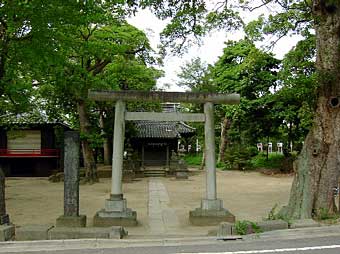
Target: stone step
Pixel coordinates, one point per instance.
(154, 173)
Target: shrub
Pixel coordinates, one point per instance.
(239, 157)
(244, 227)
(193, 159)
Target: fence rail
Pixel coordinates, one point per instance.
(29, 153)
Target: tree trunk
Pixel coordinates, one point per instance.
(106, 144)
(224, 138)
(89, 161)
(317, 167)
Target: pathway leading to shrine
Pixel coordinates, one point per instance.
(162, 218)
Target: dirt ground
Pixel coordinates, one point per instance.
(248, 195)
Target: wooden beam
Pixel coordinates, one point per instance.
(147, 96)
(170, 117)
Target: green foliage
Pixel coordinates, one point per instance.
(244, 227)
(323, 214)
(239, 157)
(193, 159)
(274, 161)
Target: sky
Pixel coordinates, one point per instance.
(211, 49)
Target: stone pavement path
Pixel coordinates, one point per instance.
(162, 218)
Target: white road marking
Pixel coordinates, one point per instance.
(270, 251)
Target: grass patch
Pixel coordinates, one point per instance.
(274, 160)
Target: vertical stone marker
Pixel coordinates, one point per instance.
(71, 217)
(6, 229)
(116, 212)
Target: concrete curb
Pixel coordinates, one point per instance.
(97, 244)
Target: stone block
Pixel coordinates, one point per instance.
(203, 217)
(225, 229)
(32, 232)
(212, 204)
(127, 218)
(182, 175)
(7, 232)
(305, 223)
(71, 221)
(86, 233)
(270, 225)
(115, 205)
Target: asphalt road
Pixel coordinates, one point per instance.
(324, 245)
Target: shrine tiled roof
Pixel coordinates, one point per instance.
(170, 130)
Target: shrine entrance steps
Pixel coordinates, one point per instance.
(155, 171)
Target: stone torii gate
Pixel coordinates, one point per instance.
(116, 211)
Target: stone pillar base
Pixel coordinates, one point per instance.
(211, 212)
(7, 232)
(127, 218)
(115, 213)
(71, 221)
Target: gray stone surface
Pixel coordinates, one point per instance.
(225, 229)
(71, 221)
(306, 223)
(118, 148)
(182, 171)
(128, 218)
(202, 217)
(7, 232)
(71, 173)
(182, 175)
(270, 225)
(157, 96)
(156, 116)
(115, 205)
(209, 149)
(32, 232)
(212, 204)
(162, 217)
(86, 233)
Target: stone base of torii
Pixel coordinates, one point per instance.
(116, 212)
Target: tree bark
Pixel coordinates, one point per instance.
(317, 167)
(106, 144)
(226, 123)
(89, 161)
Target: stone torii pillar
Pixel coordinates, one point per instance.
(211, 211)
(116, 211)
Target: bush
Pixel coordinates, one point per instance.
(193, 159)
(239, 157)
(275, 161)
(246, 227)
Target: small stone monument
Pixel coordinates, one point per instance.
(6, 229)
(71, 217)
(182, 171)
(173, 164)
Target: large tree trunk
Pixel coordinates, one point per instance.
(224, 138)
(89, 161)
(106, 144)
(317, 167)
